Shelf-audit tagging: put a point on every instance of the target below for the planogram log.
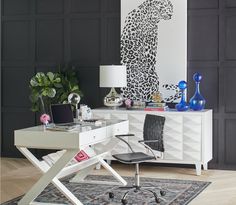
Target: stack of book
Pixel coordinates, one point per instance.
(85, 154)
(156, 106)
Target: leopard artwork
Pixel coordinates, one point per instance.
(139, 40)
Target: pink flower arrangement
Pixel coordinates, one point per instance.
(44, 118)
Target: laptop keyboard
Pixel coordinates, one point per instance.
(69, 124)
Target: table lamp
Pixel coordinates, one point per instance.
(113, 76)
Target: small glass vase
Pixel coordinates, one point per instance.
(182, 105)
(44, 107)
(197, 102)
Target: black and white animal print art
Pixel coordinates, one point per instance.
(139, 41)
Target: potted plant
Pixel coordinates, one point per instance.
(52, 88)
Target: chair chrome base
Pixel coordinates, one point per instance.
(137, 188)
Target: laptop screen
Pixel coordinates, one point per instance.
(62, 113)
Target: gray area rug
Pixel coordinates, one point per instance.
(178, 192)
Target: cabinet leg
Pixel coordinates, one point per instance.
(205, 166)
(82, 174)
(98, 166)
(109, 162)
(198, 168)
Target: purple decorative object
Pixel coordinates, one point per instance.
(182, 105)
(128, 103)
(197, 102)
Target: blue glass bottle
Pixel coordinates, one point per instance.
(182, 105)
(197, 102)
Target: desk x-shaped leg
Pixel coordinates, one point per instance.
(58, 170)
(49, 176)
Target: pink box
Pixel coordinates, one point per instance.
(81, 156)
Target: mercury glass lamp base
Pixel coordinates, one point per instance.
(113, 99)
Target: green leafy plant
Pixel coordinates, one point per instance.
(52, 88)
(69, 84)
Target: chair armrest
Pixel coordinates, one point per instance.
(142, 142)
(125, 135)
(120, 138)
(148, 141)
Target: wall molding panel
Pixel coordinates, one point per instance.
(218, 68)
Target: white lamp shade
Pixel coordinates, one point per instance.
(113, 76)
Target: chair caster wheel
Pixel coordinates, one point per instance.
(124, 201)
(163, 193)
(111, 195)
(158, 200)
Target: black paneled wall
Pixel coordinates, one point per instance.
(37, 35)
(212, 52)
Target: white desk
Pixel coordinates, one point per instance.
(74, 141)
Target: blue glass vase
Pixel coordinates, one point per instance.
(197, 102)
(182, 105)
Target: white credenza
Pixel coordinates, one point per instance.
(187, 135)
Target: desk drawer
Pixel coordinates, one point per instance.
(92, 137)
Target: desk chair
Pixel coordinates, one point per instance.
(152, 140)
